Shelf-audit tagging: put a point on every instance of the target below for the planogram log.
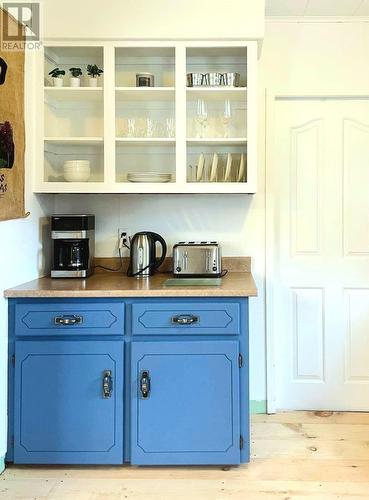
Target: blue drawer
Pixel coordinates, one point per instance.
(203, 318)
(64, 318)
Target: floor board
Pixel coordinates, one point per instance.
(296, 456)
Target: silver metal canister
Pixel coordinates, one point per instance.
(195, 79)
(214, 79)
(144, 80)
(231, 79)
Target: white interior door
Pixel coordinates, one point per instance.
(319, 182)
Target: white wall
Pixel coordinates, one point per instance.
(329, 56)
(156, 19)
(23, 256)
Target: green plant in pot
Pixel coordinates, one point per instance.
(94, 72)
(57, 74)
(75, 80)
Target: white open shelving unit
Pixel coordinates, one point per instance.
(95, 123)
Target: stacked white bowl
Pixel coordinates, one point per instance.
(77, 170)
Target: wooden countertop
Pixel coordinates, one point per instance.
(104, 284)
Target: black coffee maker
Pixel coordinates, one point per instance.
(73, 245)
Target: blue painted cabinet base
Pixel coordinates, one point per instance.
(126, 383)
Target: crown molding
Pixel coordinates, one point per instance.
(317, 19)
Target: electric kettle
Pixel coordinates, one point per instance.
(143, 260)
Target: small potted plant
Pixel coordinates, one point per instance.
(75, 80)
(56, 74)
(93, 72)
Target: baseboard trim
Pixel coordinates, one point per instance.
(2, 464)
(258, 406)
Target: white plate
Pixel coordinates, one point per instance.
(148, 179)
(241, 169)
(143, 176)
(200, 167)
(214, 168)
(227, 174)
(148, 174)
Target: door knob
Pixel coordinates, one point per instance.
(145, 384)
(107, 384)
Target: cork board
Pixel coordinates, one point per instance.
(12, 135)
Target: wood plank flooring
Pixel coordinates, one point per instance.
(295, 456)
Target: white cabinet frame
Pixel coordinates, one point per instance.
(109, 184)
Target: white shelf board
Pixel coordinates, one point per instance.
(221, 141)
(145, 141)
(74, 94)
(144, 93)
(74, 141)
(217, 93)
(138, 188)
(70, 187)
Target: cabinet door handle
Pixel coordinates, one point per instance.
(185, 319)
(107, 385)
(145, 384)
(66, 320)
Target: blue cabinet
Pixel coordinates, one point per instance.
(69, 318)
(147, 381)
(68, 402)
(185, 403)
(203, 317)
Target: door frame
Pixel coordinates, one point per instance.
(271, 96)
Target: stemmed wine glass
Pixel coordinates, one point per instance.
(227, 116)
(201, 117)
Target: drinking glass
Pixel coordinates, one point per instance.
(227, 116)
(131, 127)
(141, 127)
(170, 127)
(150, 127)
(201, 117)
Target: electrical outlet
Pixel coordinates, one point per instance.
(123, 233)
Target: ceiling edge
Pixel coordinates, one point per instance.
(317, 19)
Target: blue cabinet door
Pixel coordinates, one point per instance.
(185, 403)
(63, 412)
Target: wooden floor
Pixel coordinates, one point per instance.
(299, 455)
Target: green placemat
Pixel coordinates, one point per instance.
(193, 282)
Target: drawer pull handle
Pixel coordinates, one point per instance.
(185, 319)
(107, 385)
(68, 320)
(145, 384)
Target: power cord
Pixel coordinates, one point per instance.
(109, 269)
(122, 243)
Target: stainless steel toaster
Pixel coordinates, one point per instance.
(200, 259)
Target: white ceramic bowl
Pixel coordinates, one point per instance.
(77, 163)
(77, 173)
(76, 167)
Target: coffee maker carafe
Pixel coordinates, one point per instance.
(143, 260)
(73, 239)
